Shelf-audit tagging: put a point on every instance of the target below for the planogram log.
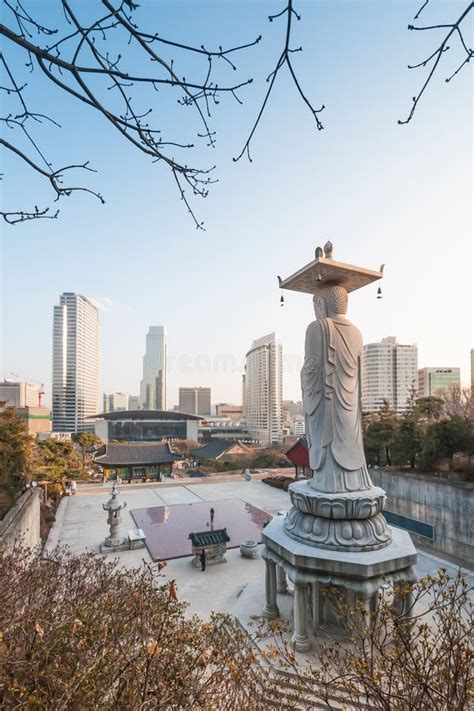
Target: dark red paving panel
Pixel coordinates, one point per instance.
(167, 527)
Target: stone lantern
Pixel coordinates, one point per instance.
(113, 507)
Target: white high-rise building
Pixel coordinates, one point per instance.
(75, 363)
(154, 383)
(195, 401)
(115, 402)
(389, 372)
(17, 394)
(263, 390)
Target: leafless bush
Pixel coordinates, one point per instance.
(78, 632)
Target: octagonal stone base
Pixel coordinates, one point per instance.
(349, 520)
(360, 574)
(337, 566)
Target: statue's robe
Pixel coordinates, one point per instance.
(330, 381)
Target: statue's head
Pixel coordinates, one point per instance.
(330, 300)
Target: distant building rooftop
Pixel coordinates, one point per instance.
(215, 448)
(134, 453)
(145, 415)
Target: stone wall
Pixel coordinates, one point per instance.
(444, 504)
(22, 522)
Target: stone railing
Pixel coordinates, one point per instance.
(22, 522)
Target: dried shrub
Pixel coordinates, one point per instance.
(79, 632)
(402, 657)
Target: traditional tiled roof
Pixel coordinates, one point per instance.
(137, 453)
(298, 453)
(144, 415)
(215, 448)
(301, 440)
(209, 538)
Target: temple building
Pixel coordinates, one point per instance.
(222, 450)
(131, 461)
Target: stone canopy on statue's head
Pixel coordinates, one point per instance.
(324, 271)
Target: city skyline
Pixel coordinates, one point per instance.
(200, 366)
(332, 184)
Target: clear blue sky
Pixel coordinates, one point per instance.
(401, 195)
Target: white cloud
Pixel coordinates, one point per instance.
(103, 303)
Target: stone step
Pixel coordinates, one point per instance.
(286, 690)
(287, 687)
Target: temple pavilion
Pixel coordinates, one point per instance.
(133, 461)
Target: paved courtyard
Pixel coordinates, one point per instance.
(236, 587)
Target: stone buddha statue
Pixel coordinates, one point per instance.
(335, 534)
(330, 383)
(338, 507)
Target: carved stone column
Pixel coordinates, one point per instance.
(408, 604)
(315, 605)
(369, 603)
(270, 610)
(300, 634)
(282, 583)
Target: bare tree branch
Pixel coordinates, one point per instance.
(13, 218)
(283, 59)
(453, 29)
(74, 63)
(93, 60)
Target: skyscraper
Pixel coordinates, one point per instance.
(114, 402)
(437, 380)
(195, 401)
(134, 402)
(389, 372)
(263, 389)
(75, 363)
(154, 382)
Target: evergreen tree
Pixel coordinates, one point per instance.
(15, 450)
(88, 441)
(379, 436)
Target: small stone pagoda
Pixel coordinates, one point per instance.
(335, 534)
